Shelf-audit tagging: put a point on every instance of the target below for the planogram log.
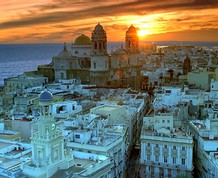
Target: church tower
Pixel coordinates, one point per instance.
(132, 41)
(48, 143)
(48, 154)
(99, 57)
(99, 41)
(187, 65)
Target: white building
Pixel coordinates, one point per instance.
(92, 134)
(11, 156)
(65, 108)
(205, 133)
(167, 96)
(165, 151)
(26, 80)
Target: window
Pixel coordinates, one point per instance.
(99, 46)
(156, 145)
(168, 121)
(183, 161)
(148, 144)
(165, 159)
(148, 157)
(165, 146)
(62, 75)
(163, 121)
(174, 160)
(156, 158)
(94, 65)
(168, 91)
(174, 147)
(77, 136)
(183, 148)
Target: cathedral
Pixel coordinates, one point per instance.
(89, 61)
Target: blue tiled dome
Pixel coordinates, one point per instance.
(45, 96)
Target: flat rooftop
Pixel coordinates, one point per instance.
(178, 135)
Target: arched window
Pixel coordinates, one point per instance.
(100, 46)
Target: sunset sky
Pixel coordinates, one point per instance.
(54, 21)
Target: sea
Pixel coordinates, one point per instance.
(18, 58)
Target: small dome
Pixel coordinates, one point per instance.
(65, 54)
(82, 40)
(99, 27)
(45, 96)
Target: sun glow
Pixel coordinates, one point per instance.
(142, 33)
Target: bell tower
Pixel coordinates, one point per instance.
(99, 41)
(187, 65)
(99, 57)
(47, 142)
(132, 41)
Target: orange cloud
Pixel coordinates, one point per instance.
(58, 20)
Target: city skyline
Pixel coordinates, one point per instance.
(56, 21)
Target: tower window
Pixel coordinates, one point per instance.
(95, 45)
(99, 46)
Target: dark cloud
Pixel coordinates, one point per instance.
(127, 8)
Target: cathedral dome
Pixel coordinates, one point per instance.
(45, 96)
(82, 40)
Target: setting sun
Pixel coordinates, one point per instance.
(142, 33)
